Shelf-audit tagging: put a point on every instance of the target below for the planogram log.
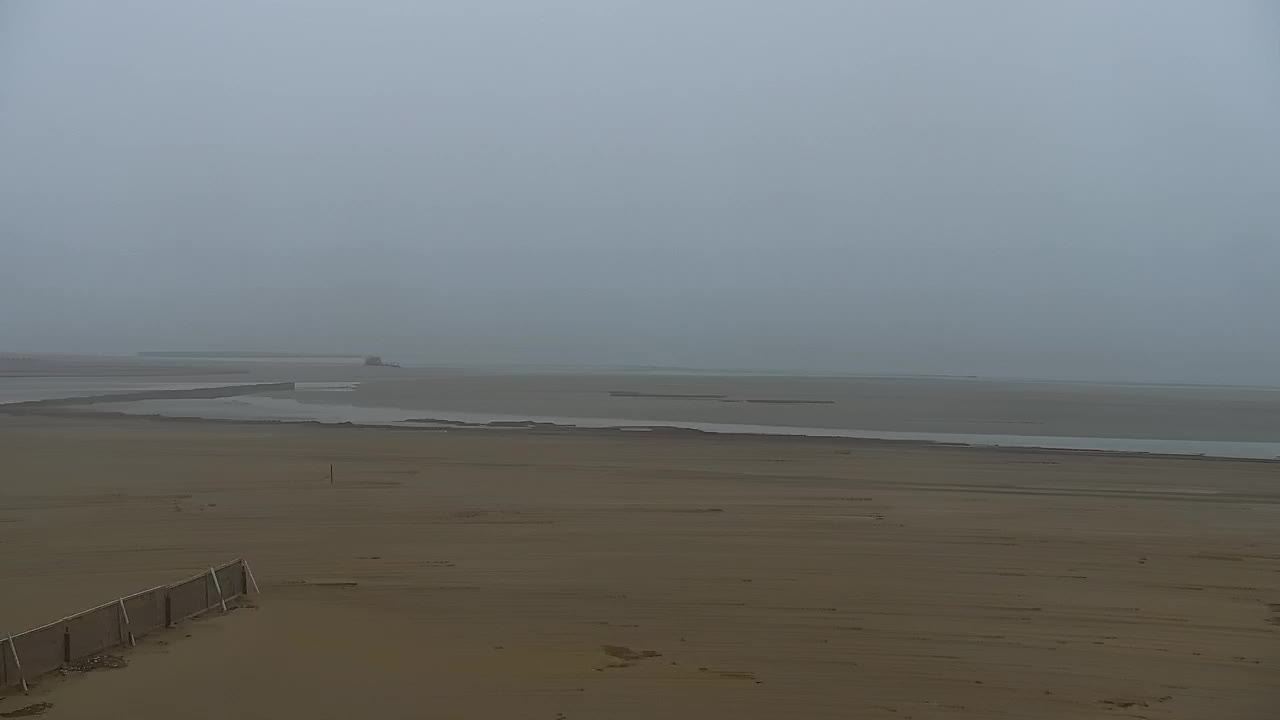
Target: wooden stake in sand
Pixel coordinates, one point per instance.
(330, 474)
(18, 664)
(248, 572)
(218, 586)
(125, 624)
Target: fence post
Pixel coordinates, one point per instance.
(17, 664)
(66, 644)
(168, 608)
(126, 627)
(217, 586)
(248, 571)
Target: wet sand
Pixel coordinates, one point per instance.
(905, 404)
(492, 574)
(848, 404)
(1219, 421)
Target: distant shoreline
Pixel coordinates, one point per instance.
(1148, 421)
(639, 431)
(96, 360)
(247, 355)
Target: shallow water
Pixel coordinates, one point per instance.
(1224, 421)
(290, 410)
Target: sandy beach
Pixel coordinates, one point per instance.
(481, 574)
(639, 360)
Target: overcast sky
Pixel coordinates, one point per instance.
(1048, 189)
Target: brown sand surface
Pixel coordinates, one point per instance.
(483, 574)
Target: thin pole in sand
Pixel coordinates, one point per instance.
(124, 614)
(218, 586)
(331, 474)
(18, 664)
(249, 574)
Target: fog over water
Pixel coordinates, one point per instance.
(1052, 190)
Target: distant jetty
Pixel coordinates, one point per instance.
(243, 355)
(252, 356)
(214, 391)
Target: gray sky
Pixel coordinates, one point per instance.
(1083, 189)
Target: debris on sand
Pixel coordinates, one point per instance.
(625, 653)
(324, 583)
(732, 674)
(95, 662)
(1123, 704)
(34, 709)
